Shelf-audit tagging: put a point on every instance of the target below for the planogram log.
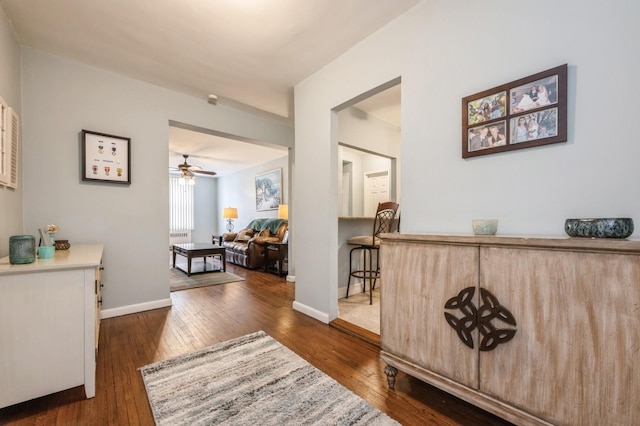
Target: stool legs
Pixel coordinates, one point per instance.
(366, 273)
(373, 275)
(350, 269)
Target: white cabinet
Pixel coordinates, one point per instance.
(49, 324)
(568, 356)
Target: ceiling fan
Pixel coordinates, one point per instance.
(188, 170)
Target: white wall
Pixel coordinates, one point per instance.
(10, 82)
(206, 211)
(238, 190)
(443, 52)
(361, 164)
(359, 129)
(60, 98)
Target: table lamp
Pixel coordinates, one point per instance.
(230, 213)
(283, 211)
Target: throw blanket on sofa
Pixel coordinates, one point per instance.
(272, 225)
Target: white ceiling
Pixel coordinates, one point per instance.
(217, 154)
(250, 53)
(384, 105)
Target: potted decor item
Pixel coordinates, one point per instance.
(51, 230)
(22, 249)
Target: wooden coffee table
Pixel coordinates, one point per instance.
(191, 250)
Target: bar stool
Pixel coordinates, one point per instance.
(383, 222)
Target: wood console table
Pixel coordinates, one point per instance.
(534, 330)
(49, 324)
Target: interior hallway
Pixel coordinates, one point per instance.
(204, 316)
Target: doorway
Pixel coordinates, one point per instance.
(234, 160)
(369, 138)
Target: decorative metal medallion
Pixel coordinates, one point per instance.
(482, 318)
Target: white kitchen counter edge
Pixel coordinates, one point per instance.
(79, 256)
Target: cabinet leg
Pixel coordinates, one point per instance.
(391, 376)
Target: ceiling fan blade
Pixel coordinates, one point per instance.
(204, 172)
(189, 170)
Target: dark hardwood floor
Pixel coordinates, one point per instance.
(204, 316)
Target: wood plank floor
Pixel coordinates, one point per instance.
(204, 316)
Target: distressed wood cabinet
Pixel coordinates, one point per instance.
(567, 356)
(49, 324)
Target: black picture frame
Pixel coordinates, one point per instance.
(524, 113)
(106, 158)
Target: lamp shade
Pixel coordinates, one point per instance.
(230, 213)
(283, 211)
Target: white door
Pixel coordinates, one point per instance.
(376, 190)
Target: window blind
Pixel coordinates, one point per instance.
(181, 216)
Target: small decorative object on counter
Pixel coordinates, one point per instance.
(617, 227)
(485, 226)
(51, 230)
(62, 244)
(46, 252)
(22, 249)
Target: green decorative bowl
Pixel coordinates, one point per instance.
(618, 227)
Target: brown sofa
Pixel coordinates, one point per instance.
(246, 247)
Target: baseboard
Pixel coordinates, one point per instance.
(132, 309)
(353, 289)
(291, 278)
(313, 313)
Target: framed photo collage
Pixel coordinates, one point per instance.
(528, 112)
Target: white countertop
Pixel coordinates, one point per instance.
(355, 218)
(79, 256)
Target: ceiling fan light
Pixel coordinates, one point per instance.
(186, 179)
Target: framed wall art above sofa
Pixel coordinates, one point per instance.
(269, 190)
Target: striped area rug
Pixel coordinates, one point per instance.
(179, 280)
(251, 380)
